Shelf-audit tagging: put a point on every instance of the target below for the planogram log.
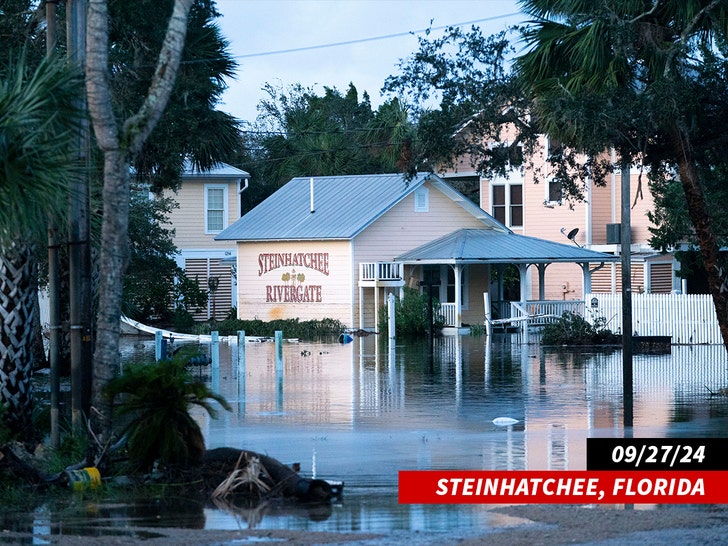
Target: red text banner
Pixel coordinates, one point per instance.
(562, 487)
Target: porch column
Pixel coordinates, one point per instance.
(522, 274)
(586, 274)
(376, 305)
(542, 281)
(361, 308)
(458, 290)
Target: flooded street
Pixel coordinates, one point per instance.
(359, 412)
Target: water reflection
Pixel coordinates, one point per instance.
(360, 412)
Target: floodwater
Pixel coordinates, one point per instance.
(359, 412)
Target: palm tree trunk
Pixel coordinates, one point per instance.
(17, 310)
(703, 225)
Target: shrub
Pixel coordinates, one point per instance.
(310, 330)
(573, 329)
(157, 398)
(411, 315)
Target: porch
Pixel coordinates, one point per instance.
(376, 275)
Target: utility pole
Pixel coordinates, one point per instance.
(79, 240)
(54, 280)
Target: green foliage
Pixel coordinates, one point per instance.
(299, 133)
(411, 315)
(310, 330)
(156, 398)
(154, 285)
(573, 329)
(191, 126)
(37, 119)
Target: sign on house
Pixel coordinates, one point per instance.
(292, 266)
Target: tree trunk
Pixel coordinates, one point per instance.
(112, 264)
(703, 225)
(17, 309)
(119, 144)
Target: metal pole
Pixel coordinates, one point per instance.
(391, 318)
(279, 369)
(626, 260)
(78, 234)
(215, 356)
(54, 279)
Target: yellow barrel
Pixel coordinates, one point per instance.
(86, 478)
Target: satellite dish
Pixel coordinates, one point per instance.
(572, 234)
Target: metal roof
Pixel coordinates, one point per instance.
(336, 207)
(491, 246)
(220, 170)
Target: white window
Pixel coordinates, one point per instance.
(216, 210)
(422, 200)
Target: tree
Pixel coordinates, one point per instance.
(649, 77)
(299, 133)
(191, 128)
(157, 399)
(644, 78)
(37, 117)
(154, 284)
(119, 141)
(467, 76)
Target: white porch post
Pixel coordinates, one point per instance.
(522, 273)
(361, 308)
(542, 281)
(458, 289)
(586, 274)
(376, 305)
(522, 270)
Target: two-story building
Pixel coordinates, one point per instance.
(209, 202)
(334, 246)
(529, 203)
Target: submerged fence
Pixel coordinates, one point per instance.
(687, 318)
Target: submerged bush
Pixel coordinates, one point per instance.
(411, 315)
(309, 330)
(573, 329)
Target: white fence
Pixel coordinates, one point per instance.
(687, 318)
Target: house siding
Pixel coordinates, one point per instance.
(601, 206)
(401, 229)
(188, 220)
(266, 291)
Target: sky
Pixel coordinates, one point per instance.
(333, 43)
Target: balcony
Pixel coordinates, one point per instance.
(381, 274)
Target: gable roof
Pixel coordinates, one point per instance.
(343, 206)
(490, 246)
(220, 170)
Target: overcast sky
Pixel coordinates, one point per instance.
(295, 41)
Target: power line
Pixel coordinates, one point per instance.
(373, 38)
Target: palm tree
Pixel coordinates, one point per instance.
(36, 121)
(631, 75)
(157, 398)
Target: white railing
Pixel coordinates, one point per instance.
(448, 311)
(687, 318)
(380, 271)
(544, 311)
